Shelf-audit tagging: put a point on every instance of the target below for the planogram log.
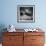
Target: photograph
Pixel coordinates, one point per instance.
(26, 13)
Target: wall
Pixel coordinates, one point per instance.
(8, 13)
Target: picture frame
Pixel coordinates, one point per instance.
(26, 13)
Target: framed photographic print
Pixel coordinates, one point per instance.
(26, 13)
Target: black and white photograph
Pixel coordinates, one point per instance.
(26, 13)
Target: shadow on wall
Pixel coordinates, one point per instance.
(2, 26)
